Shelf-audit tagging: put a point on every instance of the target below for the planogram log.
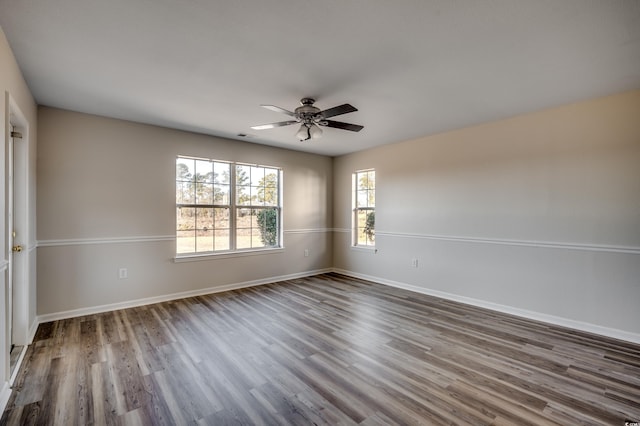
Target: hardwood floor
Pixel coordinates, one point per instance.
(321, 350)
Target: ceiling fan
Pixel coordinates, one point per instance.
(310, 118)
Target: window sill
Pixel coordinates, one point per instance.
(225, 255)
(366, 249)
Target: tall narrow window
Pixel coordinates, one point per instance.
(364, 208)
(222, 206)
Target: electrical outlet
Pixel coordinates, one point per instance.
(414, 262)
(306, 252)
(122, 273)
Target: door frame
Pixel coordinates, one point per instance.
(17, 271)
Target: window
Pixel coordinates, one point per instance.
(223, 206)
(364, 208)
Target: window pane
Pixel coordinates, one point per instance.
(184, 192)
(204, 193)
(185, 242)
(204, 171)
(204, 219)
(361, 219)
(370, 227)
(221, 218)
(243, 228)
(185, 230)
(271, 175)
(243, 175)
(243, 195)
(221, 194)
(257, 175)
(257, 196)
(243, 218)
(267, 221)
(204, 240)
(271, 196)
(185, 168)
(243, 192)
(271, 199)
(243, 238)
(371, 179)
(268, 195)
(256, 239)
(363, 198)
(222, 240)
(221, 173)
(221, 226)
(366, 180)
(185, 219)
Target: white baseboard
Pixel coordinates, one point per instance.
(523, 313)
(167, 297)
(32, 331)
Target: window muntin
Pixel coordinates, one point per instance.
(364, 206)
(223, 206)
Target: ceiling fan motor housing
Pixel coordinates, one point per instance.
(307, 113)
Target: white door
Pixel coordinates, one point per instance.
(15, 223)
(15, 330)
(11, 233)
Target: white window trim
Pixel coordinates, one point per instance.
(354, 213)
(235, 252)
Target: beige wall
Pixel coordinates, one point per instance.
(106, 200)
(536, 215)
(15, 95)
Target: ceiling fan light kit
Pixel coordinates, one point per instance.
(311, 117)
(309, 131)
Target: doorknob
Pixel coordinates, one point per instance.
(16, 249)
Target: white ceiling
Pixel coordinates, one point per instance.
(411, 67)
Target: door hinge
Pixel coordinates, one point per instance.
(16, 135)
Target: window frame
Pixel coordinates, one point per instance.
(355, 229)
(233, 207)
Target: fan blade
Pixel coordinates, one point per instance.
(343, 126)
(341, 109)
(278, 109)
(273, 125)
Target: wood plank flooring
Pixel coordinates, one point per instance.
(327, 349)
(14, 356)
